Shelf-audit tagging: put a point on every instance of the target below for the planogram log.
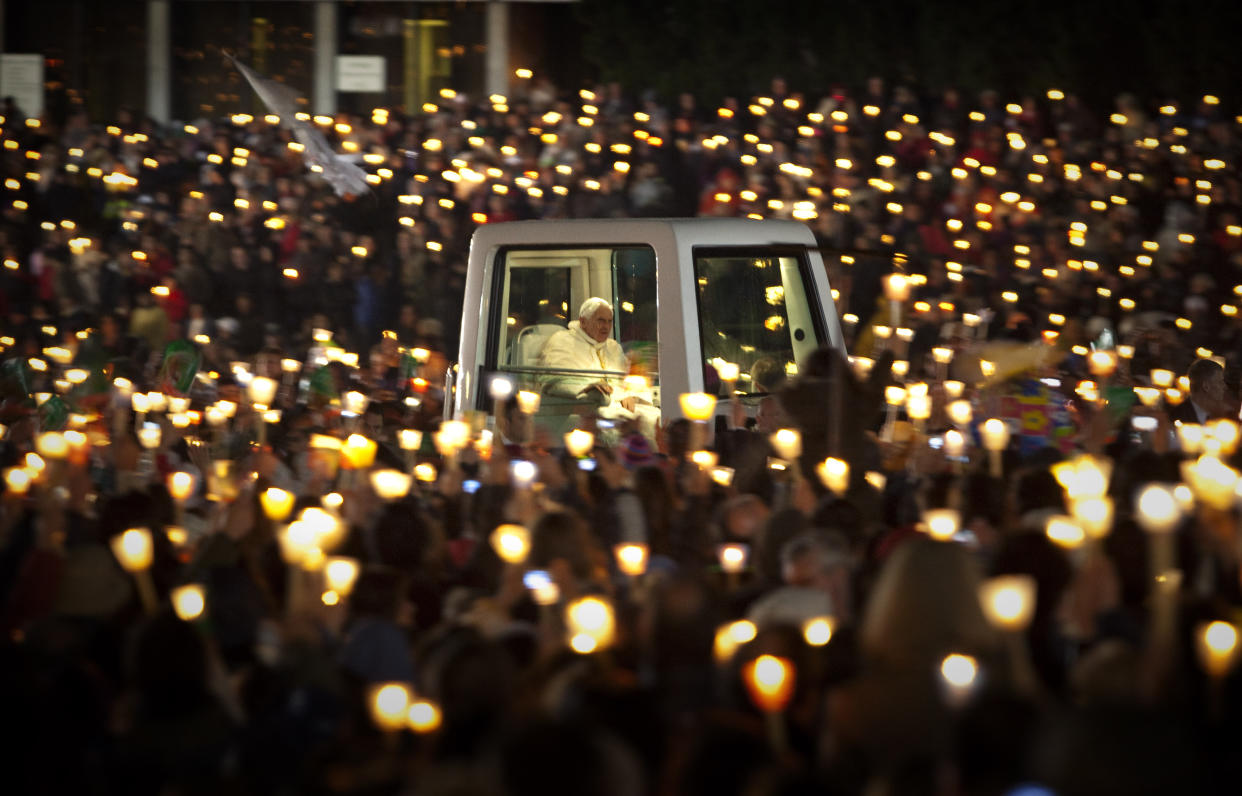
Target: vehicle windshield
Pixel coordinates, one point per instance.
(755, 312)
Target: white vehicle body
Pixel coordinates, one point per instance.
(706, 290)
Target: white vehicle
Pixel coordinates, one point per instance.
(688, 296)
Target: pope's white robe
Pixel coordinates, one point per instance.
(574, 349)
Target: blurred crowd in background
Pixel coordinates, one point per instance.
(380, 602)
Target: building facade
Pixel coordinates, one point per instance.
(165, 58)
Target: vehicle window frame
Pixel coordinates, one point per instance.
(491, 362)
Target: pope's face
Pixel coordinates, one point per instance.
(599, 326)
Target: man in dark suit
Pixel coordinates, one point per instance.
(1207, 394)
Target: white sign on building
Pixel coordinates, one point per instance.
(21, 77)
(360, 73)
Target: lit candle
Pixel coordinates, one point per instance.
(995, 438)
(631, 558)
(897, 289)
(1008, 601)
(942, 524)
(181, 485)
(410, 440)
(770, 681)
(390, 484)
(954, 444)
(156, 401)
(340, 573)
(188, 602)
(1212, 481)
(1065, 532)
(918, 407)
(18, 480)
(277, 503)
(1102, 364)
(452, 436)
(1217, 647)
(579, 442)
(523, 473)
(959, 673)
(355, 403)
(731, 636)
(358, 451)
(1094, 514)
(960, 412)
(262, 392)
(590, 624)
(134, 550)
(817, 631)
(139, 402)
(728, 372)
(1158, 513)
(732, 557)
(149, 436)
(501, 388)
(52, 445)
(834, 474)
(389, 704)
(787, 443)
(511, 543)
(698, 407)
(424, 716)
(528, 402)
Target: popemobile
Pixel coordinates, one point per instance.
(716, 306)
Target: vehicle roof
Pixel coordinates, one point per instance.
(707, 231)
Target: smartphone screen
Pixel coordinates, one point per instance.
(536, 579)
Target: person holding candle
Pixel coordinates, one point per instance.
(1207, 400)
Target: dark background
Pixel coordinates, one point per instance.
(1154, 50)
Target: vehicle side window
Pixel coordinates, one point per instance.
(539, 300)
(754, 312)
(634, 271)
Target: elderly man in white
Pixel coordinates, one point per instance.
(587, 345)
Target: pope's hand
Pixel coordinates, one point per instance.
(598, 391)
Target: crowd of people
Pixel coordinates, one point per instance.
(218, 374)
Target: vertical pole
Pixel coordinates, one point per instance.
(426, 60)
(159, 65)
(258, 58)
(325, 58)
(409, 36)
(258, 44)
(496, 80)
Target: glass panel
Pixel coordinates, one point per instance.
(635, 311)
(755, 312)
(579, 380)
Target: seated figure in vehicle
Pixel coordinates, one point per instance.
(587, 346)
